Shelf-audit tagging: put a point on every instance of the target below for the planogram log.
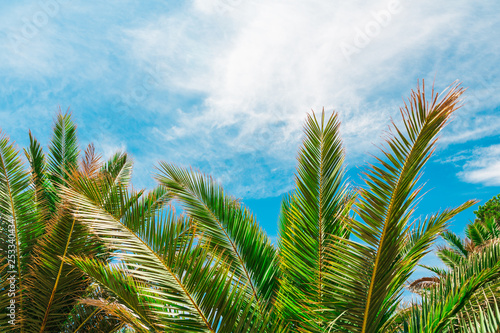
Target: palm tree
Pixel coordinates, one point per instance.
(469, 262)
(106, 257)
(343, 256)
(40, 290)
(478, 235)
(462, 299)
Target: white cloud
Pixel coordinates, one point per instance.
(261, 65)
(483, 166)
(225, 84)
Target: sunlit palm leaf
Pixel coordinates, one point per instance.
(119, 167)
(228, 226)
(46, 198)
(481, 317)
(375, 270)
(314, 213)
(54, 287)
(19, 221)
(451, 296)
(88, 318)
(133, 307)
(64, 151)
(477, 232)
(91, 162)
(192, 292)
(456, 243)
(449, 257)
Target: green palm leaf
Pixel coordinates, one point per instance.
(455, 243)
(54, 286)
(88, 318)
(119, 167)
(134, 305)
(313, 215)
(228, 226)
(449, 257)
(192, 291)
(477, 232)
(443, 302)
(481, 317)
(46, 198)
(19, 221)
(375, 270)
(64, 151)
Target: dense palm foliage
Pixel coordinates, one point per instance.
(40, 233)
(93, 254)
(475, 257)
(484, 230)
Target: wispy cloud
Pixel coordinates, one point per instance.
(482, 166)
(259, 66)
(224, 85)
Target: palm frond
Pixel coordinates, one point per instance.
(54, 287)
(119, 167)
(19, 222)
(314, 213)
(87, 318)
(455, 242)
(436, 270)
(228, 226)
(132, 306)
(449, 257)
(477, 233)
(63, 149)
(374, 271)
(45, 192)
(418, 285)
(492, 225)
(480, 317)
(451, 296)
(91, 162)
(191, 290)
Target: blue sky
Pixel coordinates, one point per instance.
(224, 85)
